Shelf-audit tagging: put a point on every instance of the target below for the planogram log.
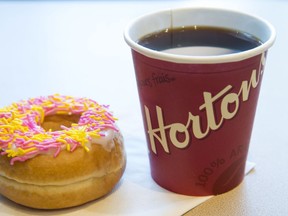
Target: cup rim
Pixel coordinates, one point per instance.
(234, 57)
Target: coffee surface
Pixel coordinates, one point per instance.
(200, 41)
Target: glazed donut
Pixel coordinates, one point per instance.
(59, 151)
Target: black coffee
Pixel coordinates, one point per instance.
(200, 40)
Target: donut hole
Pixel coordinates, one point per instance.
(54, 122)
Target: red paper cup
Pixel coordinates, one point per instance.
(198, 111)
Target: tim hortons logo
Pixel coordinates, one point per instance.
(225, 96)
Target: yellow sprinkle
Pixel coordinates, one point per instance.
(19, 151)
(48, 104)
(95, 118)
(5, 121)
(57, 98)
(64, 106)
(40, 110)
(15, 105)
(28, 150)
(62, 112)
(86, 106)
(61, 140)
(6, 126)
(26, 138)
(86, 148)
(94, 134)
(41, 137)
(68, 147)
(5, 138)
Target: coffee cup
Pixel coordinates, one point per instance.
(199, 73)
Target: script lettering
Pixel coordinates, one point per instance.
(227, 98)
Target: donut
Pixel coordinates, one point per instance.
(59, 151)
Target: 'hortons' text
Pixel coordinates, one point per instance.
(226, 98)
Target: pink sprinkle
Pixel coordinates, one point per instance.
(5, 115)
(27, 142)
(64, 127)
(47, 147)
(50, 112)
(57, 151)
(74, 147)
(13, 160)
(6, 141)
(32, 152)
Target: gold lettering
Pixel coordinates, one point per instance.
(196, 126)
(159, 134)
(245, 87)
(179, 128)
(208, 105)
(152, 132)
(228, 99)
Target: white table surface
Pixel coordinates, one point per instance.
(77, 48)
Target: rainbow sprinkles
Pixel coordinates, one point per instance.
(22, 137)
